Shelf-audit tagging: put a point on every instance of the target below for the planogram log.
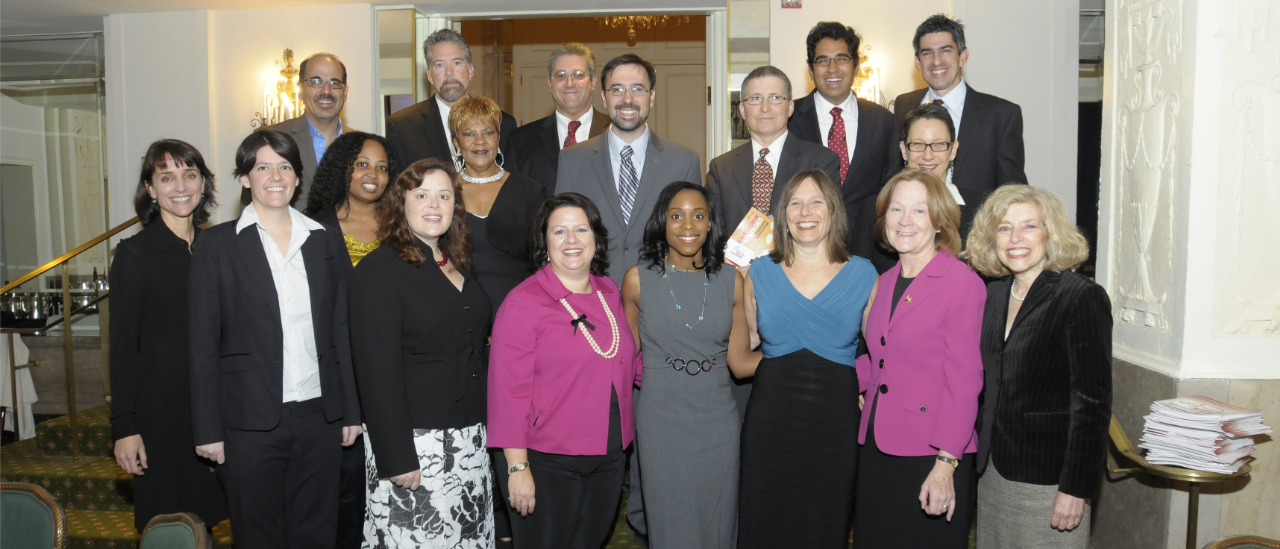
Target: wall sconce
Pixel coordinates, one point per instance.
(866, 83)
(281, 101)
(642, 22)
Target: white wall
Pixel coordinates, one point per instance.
(22, 133)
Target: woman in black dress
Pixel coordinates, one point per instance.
(150, 405)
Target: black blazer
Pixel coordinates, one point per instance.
(875, 159)
(417, 133)
(237, 343)
(420, 353)
(1046, 404)
(991, 150)
(730, 176)
(535, 147)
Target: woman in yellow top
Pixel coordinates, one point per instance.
(349, 183)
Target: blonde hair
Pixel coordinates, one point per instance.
(784, 248)
(1065, 246)
(474, 108)
(944, 213)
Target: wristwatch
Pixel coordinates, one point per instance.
(953, 462)
(518, 467)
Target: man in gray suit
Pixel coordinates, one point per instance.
(623, 169)
(323, 87)
(753, 174)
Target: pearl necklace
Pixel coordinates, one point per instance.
(613, 327)
(672, 289)
(1015, 296)
(482, 180)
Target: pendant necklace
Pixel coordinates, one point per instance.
(705, 284)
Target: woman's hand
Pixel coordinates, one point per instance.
(350, 433)
(520, 486)
(213, 452)
(938, 494)
(862, 401)
(409, 481)
(131, 455)
(1067, 512)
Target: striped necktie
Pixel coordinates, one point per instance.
(572, 137)
(628, 184)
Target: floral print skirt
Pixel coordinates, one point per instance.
(453, 506)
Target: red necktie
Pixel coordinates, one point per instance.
(572, 138)
(937, 101)
(836, 142)
(762, 183)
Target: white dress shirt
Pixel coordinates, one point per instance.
(584, 131)
(448, 132)
(638, 149)
(289, 272)
(775, 153)
(954, 103)
(849, 114)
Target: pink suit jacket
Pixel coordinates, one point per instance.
(924, 364)
(548, 389)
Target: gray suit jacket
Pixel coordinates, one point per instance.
(730, 176)
(297, 129)
(585, 168)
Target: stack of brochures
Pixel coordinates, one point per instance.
(1201, 433)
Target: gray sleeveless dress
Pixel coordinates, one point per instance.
(687, 421)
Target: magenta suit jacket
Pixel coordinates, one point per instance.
(548, 389)
(924, 364)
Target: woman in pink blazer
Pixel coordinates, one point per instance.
(562, 364)
(921, 376)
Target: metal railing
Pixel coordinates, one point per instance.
(67, 318)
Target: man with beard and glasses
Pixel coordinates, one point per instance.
(420, 131)
(322, 80)
(622, 171)
(535, 147)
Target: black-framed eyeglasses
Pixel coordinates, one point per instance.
(941, 146)
(561, 76)
(840, 60)
(636, 91)
(692, 366)
(773, 100)
(316, 82)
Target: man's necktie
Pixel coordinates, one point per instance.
(572, 138)
(762, 183)
(629, 184)
(836, 142)
(937, 101)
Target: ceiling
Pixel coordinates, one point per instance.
(53, 16)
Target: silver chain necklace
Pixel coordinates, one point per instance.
(671, 288)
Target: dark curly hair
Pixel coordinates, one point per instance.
(599, 261)
(393, 225)
(655, 247)
(834, 31)
(331, 185)
(183, 154)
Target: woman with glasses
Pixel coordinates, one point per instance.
(929, 143)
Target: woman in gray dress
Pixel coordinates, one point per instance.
(680, 306)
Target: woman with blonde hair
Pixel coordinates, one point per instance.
(1046, 352)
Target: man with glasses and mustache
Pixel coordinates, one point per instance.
(420, 131)
(860, 132)
(535, 147)
(322, 82)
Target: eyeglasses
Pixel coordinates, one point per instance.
(565, 75)
(316, 82)
(840, 60)
(941, 146)
(773, 100)
(636, 91)
(691, 366)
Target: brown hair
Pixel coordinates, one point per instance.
(393, 225)
(474, 108)
(784, 249)
(944, 213)
(1065, 246)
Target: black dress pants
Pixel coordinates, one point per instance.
(575, 497)
(282, 484)
(351, 484)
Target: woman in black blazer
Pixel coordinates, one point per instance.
(419, 321)
(1046, 352)
(151, 390)
(501, 205)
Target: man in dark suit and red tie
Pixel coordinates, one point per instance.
(990, 128)
(860, 132)
(535, 147)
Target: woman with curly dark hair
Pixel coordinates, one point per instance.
(690, 480)
(349, 182)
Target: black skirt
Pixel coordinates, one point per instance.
(799, 454)
(889, 514)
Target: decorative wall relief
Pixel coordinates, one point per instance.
(1247, 292)
(1150, 41)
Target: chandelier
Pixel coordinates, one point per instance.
(642, 22)
(280, 101)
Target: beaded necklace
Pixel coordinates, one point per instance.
(705, 284)
(613, 327)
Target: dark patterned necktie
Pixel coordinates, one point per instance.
(572, 138)
(937, 101)
(628, 185)
(836, 142)
(762, 183)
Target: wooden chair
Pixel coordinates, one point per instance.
(175, 531)
(30, 517)
(1244, 542)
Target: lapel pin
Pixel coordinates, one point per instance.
(908, 298)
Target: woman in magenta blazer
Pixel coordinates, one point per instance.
(561, 367)
(921, 377)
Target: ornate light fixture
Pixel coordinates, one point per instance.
(281, 101)
(866, 83)
(642, 22)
